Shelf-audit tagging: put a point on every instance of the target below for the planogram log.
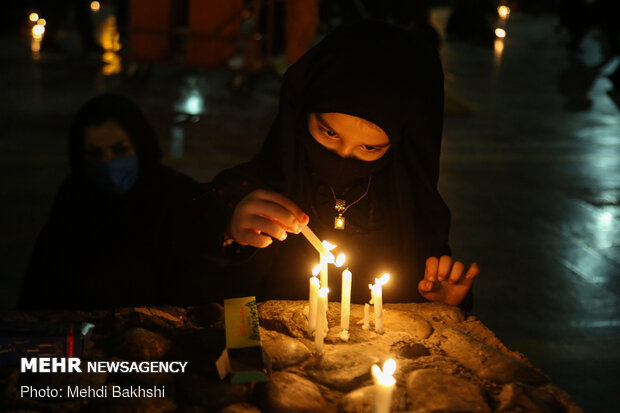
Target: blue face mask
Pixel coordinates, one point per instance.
(117, 176)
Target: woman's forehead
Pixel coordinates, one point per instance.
(105, 134)
(346, 124)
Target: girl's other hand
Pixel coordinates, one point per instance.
(263, 215)
(444, 281)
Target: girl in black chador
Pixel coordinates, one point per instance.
(110, 239)
(357, 135)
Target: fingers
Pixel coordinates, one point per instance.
(430, 273)
(456, 272)
(280, 199)
(445, 262)
(277, 213)
(472, 272)
(262, 225)
(425, 286)
(254, 239)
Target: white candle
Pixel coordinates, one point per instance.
(314, 294)
(384, 385)
(326, 259)
(345, 303)
(377, 299)
(366, 325)
(321, 320)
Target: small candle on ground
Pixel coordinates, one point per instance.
(321, 320)
(384, 385)
(345, 303)
(314, 295)
(377, 299)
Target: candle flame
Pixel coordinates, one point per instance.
(328, 245)
(384, 279)
(315, 281)
(503, 11)
(385, 377)
(33, 17)
(346, 274)
(316, 270)
(501, 33)
(323, 291)
(340, 260)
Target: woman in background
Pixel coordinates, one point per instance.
(111, 237)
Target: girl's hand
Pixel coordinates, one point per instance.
(264, 214)
(445, 282)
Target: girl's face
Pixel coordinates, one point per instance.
(348, 136)
(106, 142)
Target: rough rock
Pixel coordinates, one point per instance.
(141, 344)
(214, 394)
(240, 408)
(343, 368)
(362, 400)
(290, 393)
(515, 396)
(487, 362)
(405, 321)
(284, 351)
(432, 390)
(435, 312)
(410, 350)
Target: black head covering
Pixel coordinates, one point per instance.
(128, 115)
(394, 79)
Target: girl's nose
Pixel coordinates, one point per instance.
(345, 151)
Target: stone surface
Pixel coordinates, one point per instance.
(515, 396)
(487, 362)
(289, 393)
(141, 344)
(431, 390)
(362, 400)
(284, 351)
(240, 408)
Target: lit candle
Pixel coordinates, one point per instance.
(314, 293)
(345, 303)
(366, 325)
(326, 259)
(377, 299)
(384, 385)
(321, 319)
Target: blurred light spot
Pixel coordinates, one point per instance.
(499, 47)
(95, 6)
(37, 31)
(33, 17)
(41, 22)
(110, 43)
(500, 33)
(605, 220)
(503, 11)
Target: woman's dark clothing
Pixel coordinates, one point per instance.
(100, 250)
(377, 72)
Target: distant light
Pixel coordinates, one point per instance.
(503, 11)
(41, 22)
(33, 17)
(37, 31)
(501, 33)
(95, 6)
(606, 219)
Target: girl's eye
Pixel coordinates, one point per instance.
(329, 133)
(369, 148)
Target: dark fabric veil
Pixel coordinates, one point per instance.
(394, 79)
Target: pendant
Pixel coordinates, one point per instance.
(339, 222)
